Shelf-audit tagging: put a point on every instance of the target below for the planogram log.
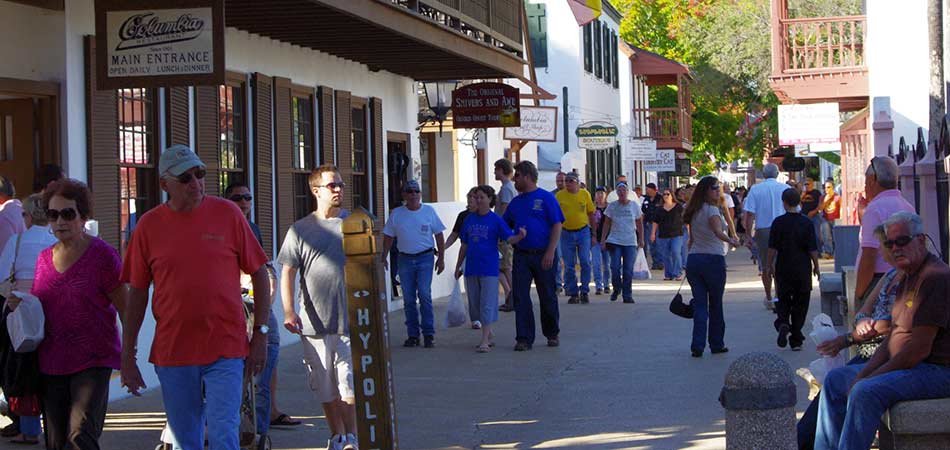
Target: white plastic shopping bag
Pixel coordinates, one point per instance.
(455, 316)
(26, 323)
(823, 329)
(641, 270)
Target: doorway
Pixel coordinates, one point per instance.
(29, 130)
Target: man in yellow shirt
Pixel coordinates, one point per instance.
(578, 209)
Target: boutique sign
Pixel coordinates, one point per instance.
(159, 43)
(596, 136)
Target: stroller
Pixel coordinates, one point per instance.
(247, 433)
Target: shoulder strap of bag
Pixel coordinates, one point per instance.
(16, 254)
(681, 285)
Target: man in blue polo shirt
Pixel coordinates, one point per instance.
(538, 212)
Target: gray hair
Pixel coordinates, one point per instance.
(884, 170)
(6, 187)
(910, 219)
(770, 170)
(33, 206)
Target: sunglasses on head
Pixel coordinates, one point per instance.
(900, 241)
(68, 214)
(239, 197)
(185, 178)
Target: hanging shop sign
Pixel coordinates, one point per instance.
(486, 105)
(596, 136)
(817, 123)
(153, 43)
(641, 149)
(684, 168)
(665, 162)
(538, 123)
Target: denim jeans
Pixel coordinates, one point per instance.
(415, 277)
(827, 237)
(684, 252)
(671, 252)
(650, 248)
(706, 274)
(30, 426)
(809, 421)
(528, 268)
(575, 246)
(622, 258)
(816, 222)
(600, 264)
(849, 421)
(263, 394)
(193, 394)
(558, 267)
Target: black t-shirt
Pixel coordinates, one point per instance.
(600, 223)
(810, 200)
(670, 222)
(650, 205)
(793, 237)
(457, 228)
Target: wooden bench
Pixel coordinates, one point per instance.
(917, 425)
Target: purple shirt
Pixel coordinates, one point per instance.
(878, 210)
(81, 328)
(11, 220)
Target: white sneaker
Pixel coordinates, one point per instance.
(336, 442)
(351, 442)
(476, 325)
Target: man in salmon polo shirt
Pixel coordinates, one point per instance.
(193, 249)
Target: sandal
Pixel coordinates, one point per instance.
(483, 348)
(284, 420)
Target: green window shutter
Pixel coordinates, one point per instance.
(598, 52)
(538, 33)
(588, 59)
(608, 60)
(616, 59)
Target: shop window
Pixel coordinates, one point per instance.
(138, 183)
(232, 144)
(301, 108)
(361, 159)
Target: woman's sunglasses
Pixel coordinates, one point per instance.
(68, 214)
(239, 197)
(185, 178)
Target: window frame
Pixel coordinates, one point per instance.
(360, 178)
(129, 173)
(301, 170)
(227, 175)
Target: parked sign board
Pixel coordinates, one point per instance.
(538, 123)
(486, 105)
(596, 136)
(159, 43)
(665, 162)
(817, 123)
(641, 149)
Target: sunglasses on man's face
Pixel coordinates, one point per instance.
(412, 191)
(68, 214)
(239, 197)
(900, 241)
(185, 178)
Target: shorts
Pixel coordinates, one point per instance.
(507, 254)
(762, 243)
(329, 365)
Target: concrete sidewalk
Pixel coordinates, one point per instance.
(621, 379)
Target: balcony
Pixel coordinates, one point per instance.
(671, 127)
(420, 39)
(819, 59)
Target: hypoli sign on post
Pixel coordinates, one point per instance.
(808, 124)
(596, 136)
(665, 162)
(155, 43)
(538, 123)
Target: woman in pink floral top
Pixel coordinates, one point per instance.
(77, 281)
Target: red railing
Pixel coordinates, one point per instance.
(823, 44)
(664, 123)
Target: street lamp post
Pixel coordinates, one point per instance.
(439, 99)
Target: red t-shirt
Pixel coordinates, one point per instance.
(195, 259)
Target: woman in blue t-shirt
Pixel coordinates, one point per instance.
(480, 234)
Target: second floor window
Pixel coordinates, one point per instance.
(361, 159)
(301, 108)
(232, 146)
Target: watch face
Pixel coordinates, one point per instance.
(264, 329)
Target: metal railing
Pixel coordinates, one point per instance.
(665, 123)
(496, 22)
(823, 44)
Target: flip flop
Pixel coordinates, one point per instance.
(284, 420)
(483, 348)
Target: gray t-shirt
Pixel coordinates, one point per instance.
(315, 247)
(704, 240)
(623, 222)
(505, 194)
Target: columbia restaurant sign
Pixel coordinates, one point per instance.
(159, 43)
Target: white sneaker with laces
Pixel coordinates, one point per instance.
(336, 442)
(350, 442)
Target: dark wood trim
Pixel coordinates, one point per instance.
(283, 155)
(325, 119)
(55, 5)
(433, 180)
(263, 159)
(344, 142)
(15, 86)
(102, 155)
(177, 120)
(377, 148)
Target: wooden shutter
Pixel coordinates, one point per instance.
(588, 59)
(177, 121)
(102, 150)
(325, 118)
(284, 148)
(377, 145)
(207, 136)
(608, 59)
(598, 51)
(538, 33)
(263, 160)
(615, 56)
(344, 142)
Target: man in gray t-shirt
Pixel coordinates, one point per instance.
(503, 173)
(314, 247)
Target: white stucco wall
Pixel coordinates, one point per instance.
(32, 43)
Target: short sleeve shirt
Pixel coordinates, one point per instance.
(623, 222)
(576, 208)
(413, 230)
(878, 210)
(459, 220)
(481, 235)
(195, 259)
(314, 246)
(11, 220)
(765, 201)
(793, 238)
(923, 299)
(506, 194)
(537, 211)
(704, 238)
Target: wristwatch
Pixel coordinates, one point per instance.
(264, 329)
(848, 339)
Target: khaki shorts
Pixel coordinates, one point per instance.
(329, 363)
(507, 254)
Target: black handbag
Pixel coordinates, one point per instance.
(678, 307)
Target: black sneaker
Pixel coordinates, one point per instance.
(696, 353)
(719, 350)
(429, 341)
(613, 297)
(411, 342)
(559, 291)
(598, 292)
(782, 340)
(522, 346)
(584, 298)
(554, 342)
(629, 300)
(606, 289)
(573, 300)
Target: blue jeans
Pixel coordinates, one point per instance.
(527, 267)
(684, 251)
(30, 426)
(558, 267)
(656, 258)
(809, 421)
(195, 393)
(622, 258)
(600, 261)
(849, 421)
(263, 394)
(575, 246)
(415, 277)
(816, 223)
(827, 237)
(671, 252)
(706, 274)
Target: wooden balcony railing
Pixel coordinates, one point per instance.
(664, 124)
(496, 22)
(822, 44)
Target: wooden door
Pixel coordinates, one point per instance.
(17, 143)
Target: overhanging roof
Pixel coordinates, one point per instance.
(656, 70)
(379, 34)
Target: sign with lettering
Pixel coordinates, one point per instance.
(538, 123)
(641, 149)
(817, 123)
(665, 162)
(486, 105)
(596, 136)
(159, 43)
(684, 168)
(369, 331)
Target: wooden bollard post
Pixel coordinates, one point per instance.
(369, 335)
